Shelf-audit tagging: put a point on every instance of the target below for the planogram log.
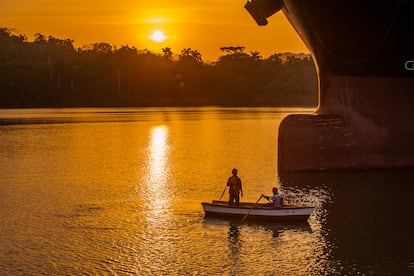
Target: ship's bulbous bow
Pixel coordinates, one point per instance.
(364, 55)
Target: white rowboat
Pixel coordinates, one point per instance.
(257, 211)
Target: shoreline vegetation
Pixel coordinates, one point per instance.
(51, 72)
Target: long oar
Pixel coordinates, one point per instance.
(223, 192)
(248, 213)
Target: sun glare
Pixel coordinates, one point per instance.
(158, 36)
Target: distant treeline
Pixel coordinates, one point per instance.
(51, 72)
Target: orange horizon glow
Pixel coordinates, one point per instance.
(185, 24)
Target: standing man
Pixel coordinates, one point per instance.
(235, 188)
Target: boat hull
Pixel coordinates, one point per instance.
(363, 51)
(257, 211)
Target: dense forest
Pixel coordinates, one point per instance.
(51, 72)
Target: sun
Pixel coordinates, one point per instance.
(158, 36)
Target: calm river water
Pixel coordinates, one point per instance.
(118, 192)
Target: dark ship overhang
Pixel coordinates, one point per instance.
(364, 53)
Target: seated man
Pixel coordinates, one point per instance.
(276, 198)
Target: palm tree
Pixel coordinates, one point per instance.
(167, 53)
(256, 56)
(190, 54)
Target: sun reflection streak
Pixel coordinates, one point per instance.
(157, 151)
(156, 188)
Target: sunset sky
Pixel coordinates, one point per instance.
(154, 24)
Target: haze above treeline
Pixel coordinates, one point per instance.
(51, 72)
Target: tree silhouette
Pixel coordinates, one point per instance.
(188, 54)
(167, 53)
(102, 48)
(50, 72)
(232, 49)
(256, 56)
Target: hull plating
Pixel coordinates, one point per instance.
(363, 51)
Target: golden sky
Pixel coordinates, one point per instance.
(201, 25)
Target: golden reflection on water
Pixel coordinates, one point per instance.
(156, 195)
(157, 155)
(155, 188)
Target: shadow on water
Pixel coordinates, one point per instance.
(261, 246)
(366, 217)
(273, 227)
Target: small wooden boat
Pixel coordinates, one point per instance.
(257, 211)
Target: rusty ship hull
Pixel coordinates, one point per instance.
(364, 54)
